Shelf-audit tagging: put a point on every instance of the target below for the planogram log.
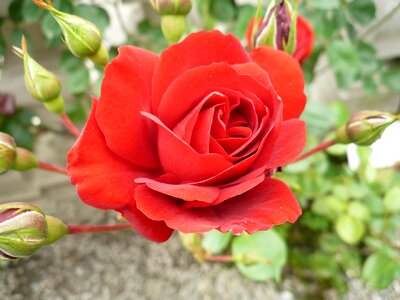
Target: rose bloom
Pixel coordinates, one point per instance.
(189, 140)
(304, 38)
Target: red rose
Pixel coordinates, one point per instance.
(304, 38)
(188, 140)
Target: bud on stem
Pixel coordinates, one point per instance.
(365, 127)
(82, 37)
(43, 85)
(278, 29)
(13, 157)
(172, 12)
(24, 229)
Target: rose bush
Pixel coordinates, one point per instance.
(189, 140)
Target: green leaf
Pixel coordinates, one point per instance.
(350, 229)
(341, 112)
(30, 11)
(359, 211)
(223, 10)
(362, 11)
(76, 112)
(78, 81)
(215, 242)
(391, 78)
(69, 62)
(15, 11)
(344, 59)
(260, 256)
(370, 61)
(379, 270)
(370, 86)
(94, 14)
(50, 29)
(324, 4)
(392, 200)
(2, 46)
(245, 13)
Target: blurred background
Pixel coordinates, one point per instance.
(355, 66)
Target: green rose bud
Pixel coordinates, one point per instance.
(172, 7)
(13, 157)
(43, 85)
(172, 12)
(23, 230)
(365, 127)
(82, 37)
(278, 29)
(8, 152)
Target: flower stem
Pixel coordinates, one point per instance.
(221, 258)
(69, 125)
(78, 229)
(49, 167)
(320, 147)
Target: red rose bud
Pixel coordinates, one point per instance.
(365, 127)
(172, 12)
(278, 29)
(82, 37)
(8, 152)
(7, 104)
(43, 85)
(23, 230)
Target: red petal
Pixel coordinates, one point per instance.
(155, 231)
(198, 49)
(126, 91)
(269, 203)
(304, 39)
(192, 87)
(187, 192)
(103, 179)
(289, 145)
(286, 77)
(180, 159)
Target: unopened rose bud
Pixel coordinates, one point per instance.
(41, 84)
(365, 127)
(278, 29)
(13, 157)
(23, 230)
(8, 152)
(172, 7)
(172, 12)
(82, 37)
(192, 243)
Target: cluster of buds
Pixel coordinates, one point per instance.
(172, 12)
(82, 37)
(278, 28)
(41, 84)
(24, 229)
(365, 127)
(13, 157)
